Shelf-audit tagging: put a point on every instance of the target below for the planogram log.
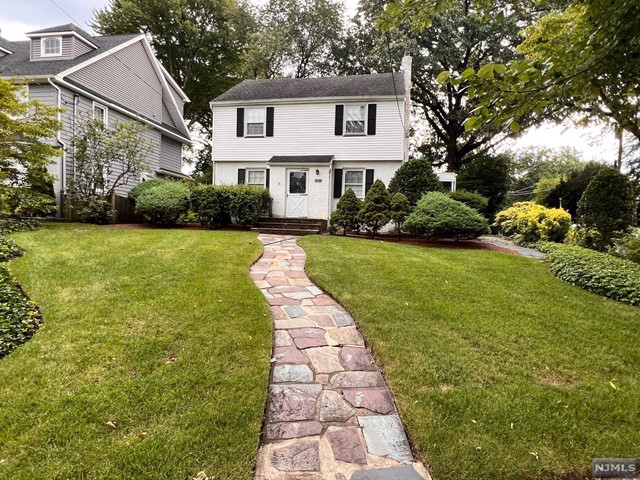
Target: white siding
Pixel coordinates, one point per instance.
(308, 129)
(321, 201)
(112, 77)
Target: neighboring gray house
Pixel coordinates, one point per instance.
(114, 77)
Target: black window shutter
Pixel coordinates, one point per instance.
(241, 175)
(337, 182)
(371, 119)
(267, 178)
(368, 180)
(269, 122)
(240, 123)
(339, 118)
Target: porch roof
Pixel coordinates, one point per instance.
(307, 159)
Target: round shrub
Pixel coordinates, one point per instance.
(92, 209)
(629, 247)
(438, 215)
(413, 179)
(163, 203)
(528, 223)
(142, 187)
(607, 205)
(471, 199)
(205, 204)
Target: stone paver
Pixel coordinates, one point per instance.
(330, 415)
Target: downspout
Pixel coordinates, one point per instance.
(63, 175)
(76, 99)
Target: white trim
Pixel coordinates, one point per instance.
(264, 123)
(5, 51)
(124, 111)
(176, 115)
(57, 34)
(42, 47)
(247, 170)
(334, 100)
(344, 180)
(105, 120)
(173, 83)
(104, 54)
(344, 119)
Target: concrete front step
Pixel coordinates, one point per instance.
(303, 225)
(291, 220)
(287, 231)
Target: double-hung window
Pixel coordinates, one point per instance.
(100, 113)
(354, 180)
(51, 47)
(254, 120)
(355, 119)
(256, 177)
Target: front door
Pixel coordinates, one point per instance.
(297, 193)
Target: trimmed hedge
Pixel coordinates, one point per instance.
(437, 215)
(471, 199)
(218, 205)
(597, 272)
(163, 203)
(142, 187)
(19, 316)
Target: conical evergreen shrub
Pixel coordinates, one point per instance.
(375, 212)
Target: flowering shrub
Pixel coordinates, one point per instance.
(528, 223)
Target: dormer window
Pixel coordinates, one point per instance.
(51, 47)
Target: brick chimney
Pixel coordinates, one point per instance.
(406, 70)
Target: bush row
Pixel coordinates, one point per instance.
(597, 272)
(165, 202)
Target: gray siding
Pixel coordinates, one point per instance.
(84, 109)
(112, 77)
(67, 49)
(178, 98)
(45, 94)
(166, 116)
(80, 48)
(171, 154)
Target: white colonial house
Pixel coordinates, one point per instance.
(310, 139)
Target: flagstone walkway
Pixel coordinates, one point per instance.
(329, 413)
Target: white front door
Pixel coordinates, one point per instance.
(297, 193)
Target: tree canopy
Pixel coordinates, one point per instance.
(24, 155)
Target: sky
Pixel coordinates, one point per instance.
(20, 16)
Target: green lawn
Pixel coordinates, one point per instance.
(161, 332)
(501, 371)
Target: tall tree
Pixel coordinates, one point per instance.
(530, 165)
(460, 38)
(24, 155)
(295, 38)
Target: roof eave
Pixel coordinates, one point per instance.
(272, 101)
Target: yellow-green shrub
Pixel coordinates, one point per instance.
(527, 222)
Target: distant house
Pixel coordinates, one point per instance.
(114, 77)
(310, 139)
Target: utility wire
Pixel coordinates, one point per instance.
(395, 90)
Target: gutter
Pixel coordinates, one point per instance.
(63, 176)
(213, 162)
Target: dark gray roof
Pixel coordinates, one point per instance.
(19, 64)
(68, 27)
(311, 159)
(375, 85)
(6, 44)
